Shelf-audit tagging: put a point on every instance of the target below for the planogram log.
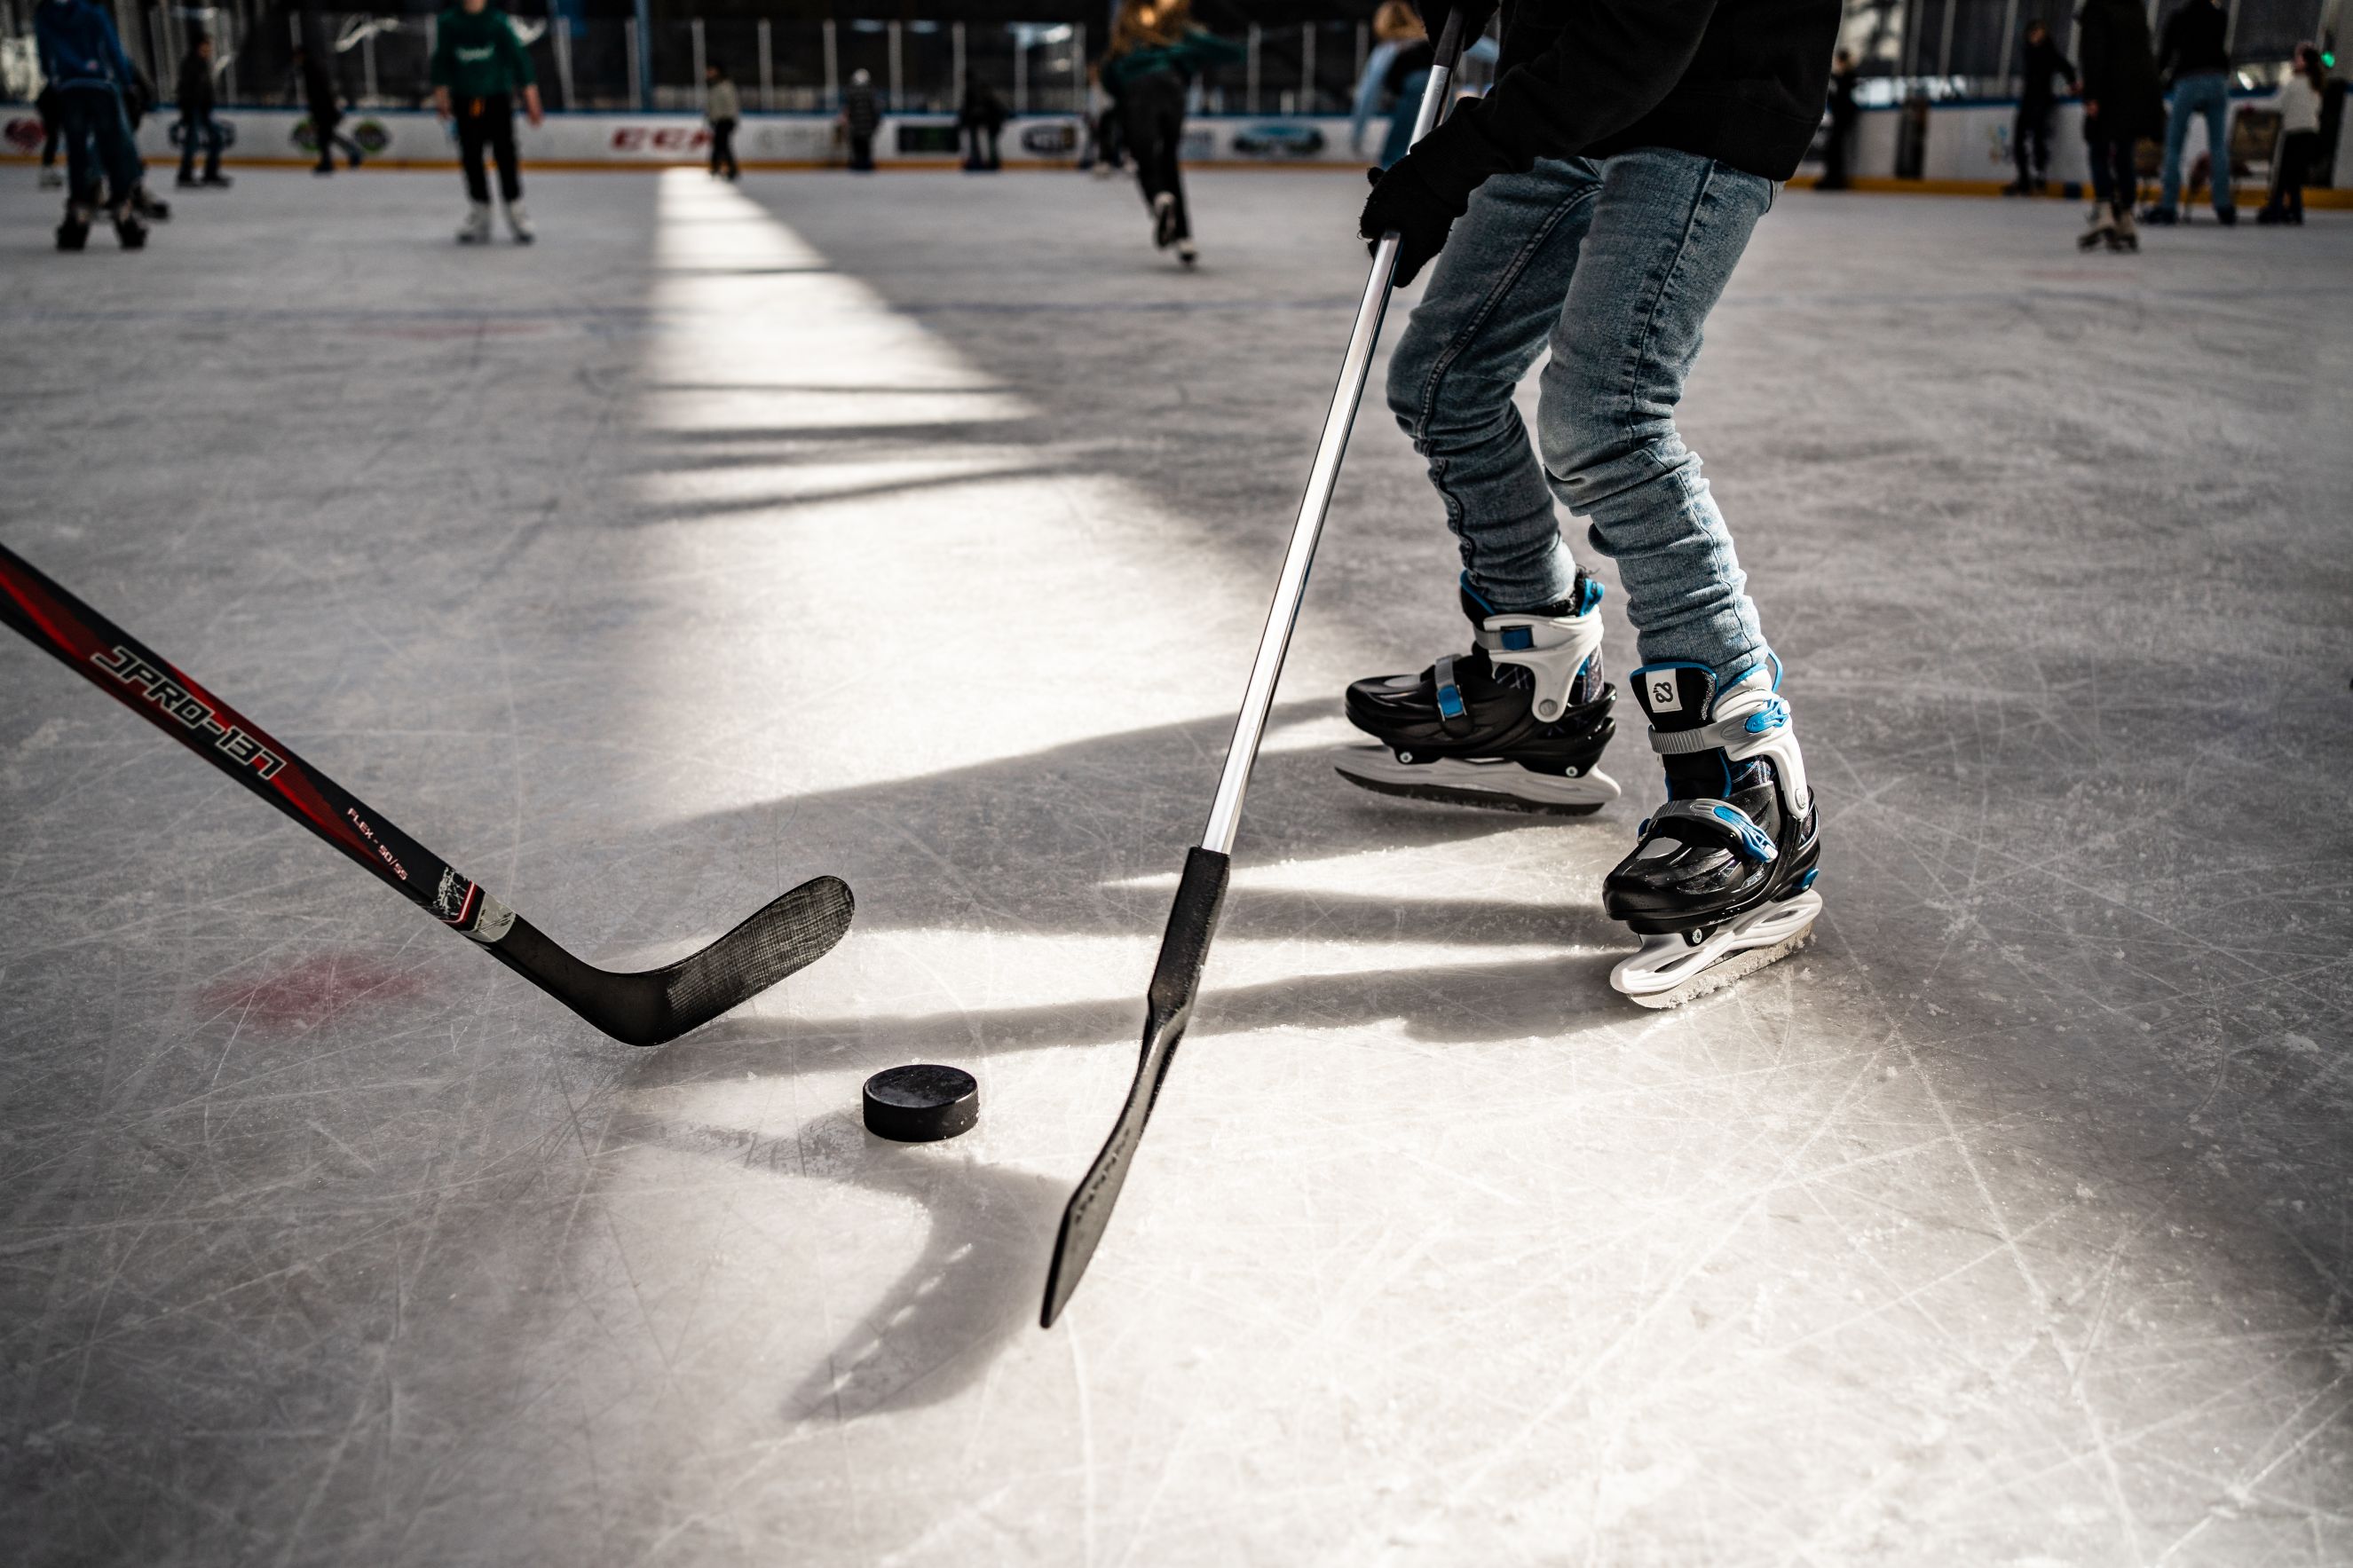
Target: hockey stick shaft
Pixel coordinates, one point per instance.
(643, 1009)
(1200, 892)
(157, 690)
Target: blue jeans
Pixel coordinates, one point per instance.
(1615, 265)
(2206, 93)
(199, 132)
(98, 141)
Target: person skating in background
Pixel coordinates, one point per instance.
(1838, 147)
(325, 107)
(197, 127)
(2122, 103)
(1593, 204)
(1155, 53)
(137, 100)
(82, 59)
(860, 118)
(51, 107)
(2194, 55)
(722, 105)
(979, 123)
(1395, 25)
(2300, 100)
(478, 72)
(2030, 134)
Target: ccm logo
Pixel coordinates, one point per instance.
(661, 139)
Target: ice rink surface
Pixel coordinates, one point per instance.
(917, 529)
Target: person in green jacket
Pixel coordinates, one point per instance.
(478, 70)
(1156, 53)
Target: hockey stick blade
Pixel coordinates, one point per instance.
(1168, 1008)
(645, 1009)
(659, 1005)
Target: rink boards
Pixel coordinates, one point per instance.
(1967, 144)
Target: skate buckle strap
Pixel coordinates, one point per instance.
(1555, 649)
(1452, 710)
(1724, 733)
(1724, 820)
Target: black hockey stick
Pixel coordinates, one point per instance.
(1192, 920)
(643, 1009)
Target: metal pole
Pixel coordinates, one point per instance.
(1021, 73)
(1266, 668)
(1250, 77)
(643, 58)
(2008, 42)
(701, 97)
(1364, 48)
(898, 81)
(1079, 68)
(367, 62)
(637, 60)
(832, 67)
(1945, 47)
(955, 52)
(559, 27)
(768, 69)
(1307, 66)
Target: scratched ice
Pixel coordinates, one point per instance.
(917, 529)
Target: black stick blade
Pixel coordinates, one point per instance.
(659, 1005)
(1175, 979)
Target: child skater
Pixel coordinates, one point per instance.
(1156, 53)
(1593, 204)
(479, 71)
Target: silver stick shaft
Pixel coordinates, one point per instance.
(1266, 669)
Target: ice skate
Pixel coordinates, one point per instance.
(1721, 883)
(150, 207)
(518, 224)
(129, 232)
(2101, 227)
(1515, 724)
(1187, 255)
(53, 179)
(73, 231)
(476, 230)
(2125, 236)
(1164, 220)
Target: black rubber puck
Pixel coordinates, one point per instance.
(922, 1104)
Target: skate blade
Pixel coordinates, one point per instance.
(1496, 786)
(1668, 971)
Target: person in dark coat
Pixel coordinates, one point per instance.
(1839, 149)
(2030, 134)
(197, 127)
(2194, 55)
(2122, 103)
(326, 106)
(980, 121)
(860, 118)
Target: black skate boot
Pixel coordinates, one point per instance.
(1721, 882)
(73, 232)
(151, 207)
(129, 232)
(1517, 723)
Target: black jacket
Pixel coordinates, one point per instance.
(195, 91)
(1741, 81)
(2194, 42)
(2044, 61)
(2119, 71)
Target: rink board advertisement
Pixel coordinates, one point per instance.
(1965, 141)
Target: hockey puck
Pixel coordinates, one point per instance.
(921, 1103)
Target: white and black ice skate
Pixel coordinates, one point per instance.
(518, 224)
(1515, 724)
(2100, 227)
(476, 230)
(1721, 883)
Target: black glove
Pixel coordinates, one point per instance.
(1403, 202)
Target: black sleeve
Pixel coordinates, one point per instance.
(1615, 62)
(2171, 43)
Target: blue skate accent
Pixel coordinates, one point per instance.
(1449, 700)
(1518, 639)
(1808, 879)
(1760, 848)
(1773, 715)
(1591, 598)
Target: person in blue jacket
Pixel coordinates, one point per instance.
(82, 59)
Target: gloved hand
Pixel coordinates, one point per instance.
(1403, 200)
